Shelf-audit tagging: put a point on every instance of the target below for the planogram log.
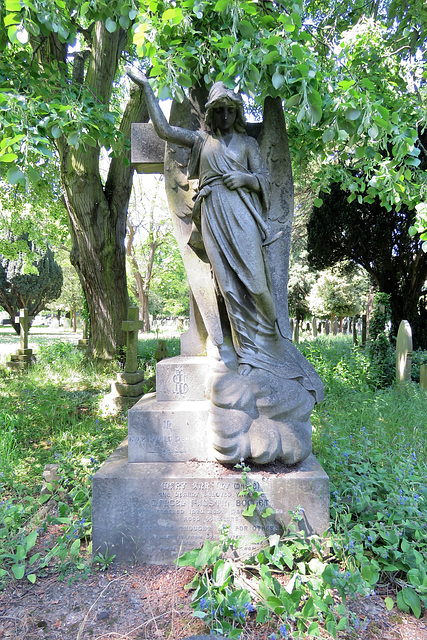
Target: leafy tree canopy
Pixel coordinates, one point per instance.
(352, 76)
(33, 291)
(379, 241)
(341, 291)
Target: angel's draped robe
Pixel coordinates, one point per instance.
(233, 229)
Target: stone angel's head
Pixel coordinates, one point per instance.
(220, 96)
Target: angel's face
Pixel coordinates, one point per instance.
(223, 117)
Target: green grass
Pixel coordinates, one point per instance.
(371, 441)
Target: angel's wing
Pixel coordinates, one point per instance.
(274, 147)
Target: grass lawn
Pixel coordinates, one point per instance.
(370, 440)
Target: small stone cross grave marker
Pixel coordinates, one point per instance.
(132, 326)
(404, 352)
(24, 321)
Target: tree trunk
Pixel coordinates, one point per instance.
(97, 214)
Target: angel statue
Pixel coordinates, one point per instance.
(261, 389)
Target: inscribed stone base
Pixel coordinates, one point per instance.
(153, 512)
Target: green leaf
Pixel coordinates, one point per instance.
(412, 162)
(15, 176)
(401, 602)
(56, 131)
(185, 80)
(12, 18)
(84, 8)
(352, 114)
(270, 57)
(293, 100)
(412, 599)
(30, 540)
(13, 5)
(316, 113)
(346, 84)
(188, 559)
(249, 511)
(303, 69)
(18, 571)
(298, 52)
(328, 135)
(318, 202)
(124, 22)
(110, 25)
(388, 603)
(221, 5)
(75, 548)
(246, 29)
(32, 578)
(287, 556)
(8, 157)
(277, 80)
(89, 141)
(373, 131)
(368, 84)
(73, 139)
(385, 113)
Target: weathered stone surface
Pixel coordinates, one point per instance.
(24, 352)
(129, 390)
(169, 431)
(404, 352)
(423, 376)
(181, 378)
(152, 513)
(132, 326)
(147, 149)
(130, 378)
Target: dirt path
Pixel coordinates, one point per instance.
(150, 602)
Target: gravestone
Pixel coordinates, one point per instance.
(327, 327)
(129, 386)
(404, 352)
(161, 352)
(423, 376)
(163, 491)
(314, 327)
(295, 332)
(364, 330)
(354, 330)
(21, 359)
(83, 342)
(335, 327)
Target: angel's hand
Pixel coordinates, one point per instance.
(136, 75)
(236, 180)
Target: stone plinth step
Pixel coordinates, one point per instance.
(17, 365)
(24, 352)
(129, 390)
(153, 512)
(168, 431)
(181, 378)
(15, 357)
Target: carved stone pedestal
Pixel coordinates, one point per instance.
(20, 360)
(162, 493)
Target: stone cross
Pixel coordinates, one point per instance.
(161, 352)
(24, 321)
(404, 352)
(132, 326)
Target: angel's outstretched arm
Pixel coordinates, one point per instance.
(177, 135)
